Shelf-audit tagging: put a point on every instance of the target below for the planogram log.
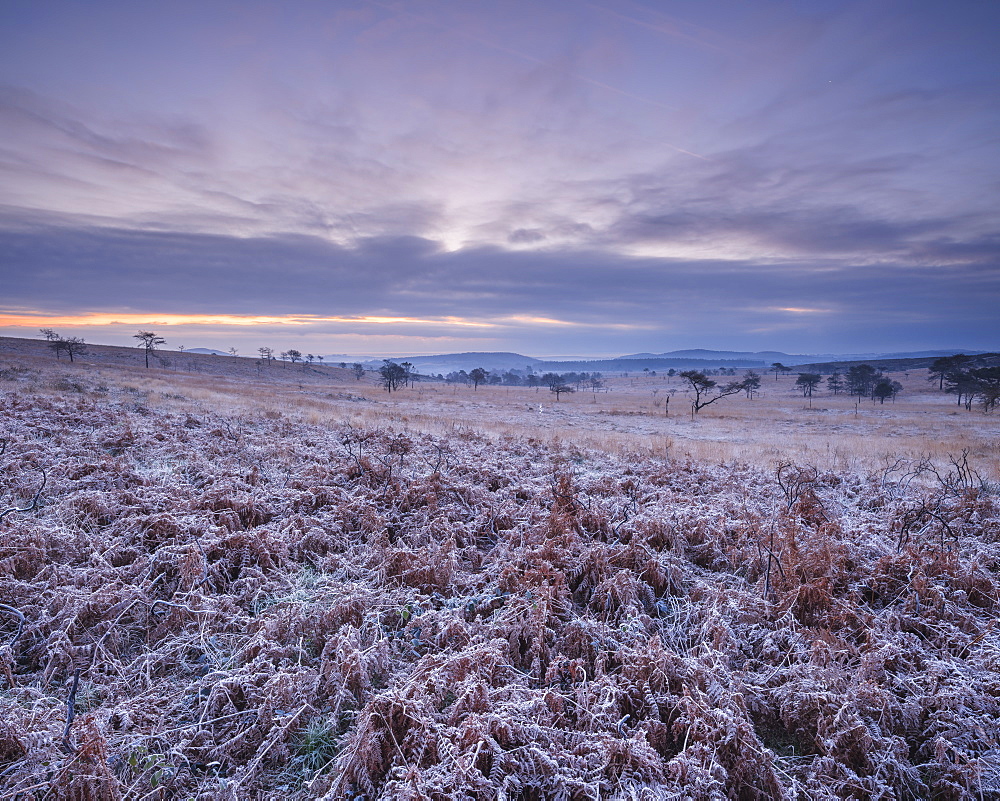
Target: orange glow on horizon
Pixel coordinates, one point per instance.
(43, 320)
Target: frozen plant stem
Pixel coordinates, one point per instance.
(70, 711)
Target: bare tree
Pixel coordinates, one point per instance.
(706, 390)
(74, 345)
(267, 354)
(233, 352)
(149, 342)
(560, 387)
(295, 356)
(56, 342)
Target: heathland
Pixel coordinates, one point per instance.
(226, 579)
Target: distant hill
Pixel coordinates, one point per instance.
(697, 358)
(652, 363)
(452, 362)
(766, 358)
(208, 351)
(715, 355)
(896, 365)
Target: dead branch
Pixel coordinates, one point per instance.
(10, 610)
(70, 711)
(34, 501)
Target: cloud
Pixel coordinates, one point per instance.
(506, 165)
(422, 287)
(526, 236)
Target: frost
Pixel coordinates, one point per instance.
(259, 607)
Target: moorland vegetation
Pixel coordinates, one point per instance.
(259, 581)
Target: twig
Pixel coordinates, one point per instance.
(156, 603)
(34, 501)
(10, 610)
(252, 765)
(70, 711)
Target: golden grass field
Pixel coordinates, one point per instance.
(834, 432)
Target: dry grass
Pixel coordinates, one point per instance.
(239, 588)
(835, 433)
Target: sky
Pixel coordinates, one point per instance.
(555, 177)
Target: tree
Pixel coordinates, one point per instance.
(310, 358)
(477, 377)
(560, 387)
(807, 382)
(861, 379)
(56, 342)
(988, 386)
(149, 342)
(706, 390)
(74, 345)
(978, 382)
(391, 375)
(751, 383)
(233, 352)
(961, 383)
(408, 369)
(882, 390)
(940, 368)
(294, 355)
(267, 354)
(359, 370)
(835, 383)
(776, 367)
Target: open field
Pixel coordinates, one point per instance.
(259, 583)
(835, 432)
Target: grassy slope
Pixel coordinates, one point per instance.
(257, 604)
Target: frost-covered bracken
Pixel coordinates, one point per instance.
(212, 606)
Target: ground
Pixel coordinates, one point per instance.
(243, 582)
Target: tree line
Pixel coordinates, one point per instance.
(968, 380)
